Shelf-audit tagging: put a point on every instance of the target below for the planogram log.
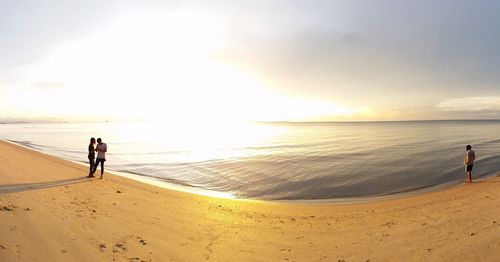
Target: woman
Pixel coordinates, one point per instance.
(91, 155)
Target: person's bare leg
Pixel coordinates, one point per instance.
(469, 174)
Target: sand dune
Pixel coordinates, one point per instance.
(50, 212)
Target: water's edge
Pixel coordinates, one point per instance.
(206, 192)
(139, 178)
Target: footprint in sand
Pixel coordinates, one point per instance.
(102, 247)
(143, 242)
(209, 249)
(119, 248)
(18, 251)
(8, 208)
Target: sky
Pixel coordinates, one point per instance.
(249, 60)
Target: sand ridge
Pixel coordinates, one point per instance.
(51, 212)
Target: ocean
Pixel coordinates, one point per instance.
(279, 161)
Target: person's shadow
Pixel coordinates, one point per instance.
(14, 188)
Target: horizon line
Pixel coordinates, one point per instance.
(252, 121)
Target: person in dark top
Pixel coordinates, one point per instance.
(91, 155)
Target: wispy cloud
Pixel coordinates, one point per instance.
(478, 103)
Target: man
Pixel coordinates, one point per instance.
(101, 149)
(469, 158)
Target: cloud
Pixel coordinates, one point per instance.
(478, 103)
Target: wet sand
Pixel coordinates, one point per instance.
(49, 211)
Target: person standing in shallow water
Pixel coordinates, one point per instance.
(101, 149)
(469, 158)
(91, 155)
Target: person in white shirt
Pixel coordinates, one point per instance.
(469, 158)
(101, 149)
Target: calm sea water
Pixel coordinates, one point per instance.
(280, 160)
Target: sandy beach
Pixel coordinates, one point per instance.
(49, 211)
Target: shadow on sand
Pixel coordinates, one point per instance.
(14, 188)
(485, 181)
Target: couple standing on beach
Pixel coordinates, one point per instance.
(101, 149)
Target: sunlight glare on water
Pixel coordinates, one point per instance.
(195, 141)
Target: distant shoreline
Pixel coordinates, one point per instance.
(261, 122)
